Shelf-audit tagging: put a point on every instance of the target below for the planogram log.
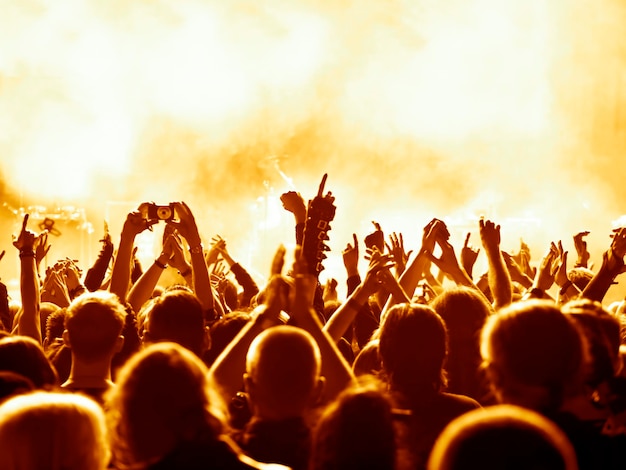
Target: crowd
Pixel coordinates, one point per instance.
(424, 364)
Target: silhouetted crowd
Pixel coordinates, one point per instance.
(425, 364)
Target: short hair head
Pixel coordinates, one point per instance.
(356, 431)
(176, 316)
(502, 437)
(413, 345)
(532, 345)
(161, 396)
(283, 367)
(25, 356)
(464, 310)
(223, 331)
(601, 330)
(52, 430)
(94, 323)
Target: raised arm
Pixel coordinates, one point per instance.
(346, 313)
(186, 226)
(469, 255)
(582, 253)
(350, 256)
(499, 278)
(96, 274)
(227, 371)
(120, 276)
(335, 369)
(293, 202)
(612, 266)
(142, 289)
(544, 278)
(28, 323)
(250, 287)
(414, 271)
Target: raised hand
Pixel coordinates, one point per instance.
(293, 202)
(560, 266)
(278, 261)
(218, 273)
(217, 245)
(330, 290)
(516, 272)
(173, 248)
(376, 238)
(71, 274)
(55, 289)
(396, 248)
(350, 256)
(42, 247)
(378, 273)
(435, 230)
(469, 255)
(618, 247)
(489, 235)
(25, 241)
(581, 249)
(186, 225)
(545, 274)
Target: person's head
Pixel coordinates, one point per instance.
(229, 294)
(464, 310)
(55, 326)
(23, 355)
(356, 431)
(12, 384)
(161, 398)
(46, 309)
(502, 437)
(367, 361)
(176, 316)
(413, 346)
(601, 330)
(93, 326)
(533, 355)
(282, 376)
(57, 431)
(223, 331)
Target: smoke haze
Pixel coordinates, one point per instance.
(513, 109)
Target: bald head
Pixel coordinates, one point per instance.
(283, 371)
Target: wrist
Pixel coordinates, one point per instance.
(185, 272)
(352, 271)
(160, 264)
(27, 253)
(195, 248)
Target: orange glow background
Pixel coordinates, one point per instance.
(510, 108)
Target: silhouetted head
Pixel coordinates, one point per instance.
(93, 326)
(176, 316)
(23, 355)
(223, 331)
(56, 431)
(533, 354)
(502, 437)
(464, 310)
(601, 330)
(161, 399)
(367, 362)
(413, 347)
(283, 372)
(356, 431)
